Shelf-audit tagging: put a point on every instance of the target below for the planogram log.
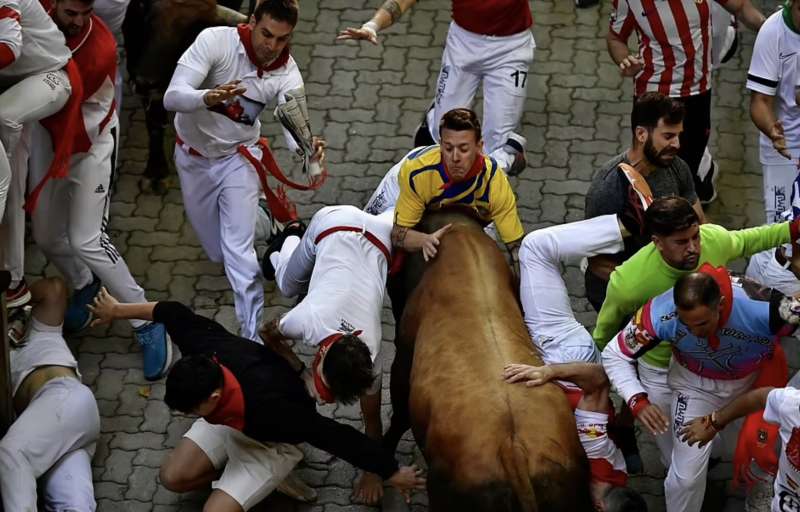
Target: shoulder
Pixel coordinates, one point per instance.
(712, 231)
(606, 179)
(783, 404)
(221, 38)
(420, 161)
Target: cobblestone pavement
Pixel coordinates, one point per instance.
(367, 101)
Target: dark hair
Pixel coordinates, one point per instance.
(191, 381)
(624, 499)
(696, 289)
(460, 119)
(668, 215)
(348, 368)
(279, 10)
(650, 107)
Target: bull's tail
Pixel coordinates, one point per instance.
(514, 458)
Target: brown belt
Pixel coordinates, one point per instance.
(35, 380)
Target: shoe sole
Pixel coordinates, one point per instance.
(167, 363)
(19, 301)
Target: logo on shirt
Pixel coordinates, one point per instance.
(788, 500)
(783, 56)
(239, 109)
(793, 449)
(345, 326)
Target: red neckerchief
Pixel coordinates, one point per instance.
(477, 167)
(246, 35)
(325, 393)
(723, 279)
(230, 408)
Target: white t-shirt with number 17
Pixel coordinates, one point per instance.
(783, 408)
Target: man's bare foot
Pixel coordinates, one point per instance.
(369, 489)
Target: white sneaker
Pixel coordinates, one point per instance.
(515, 149)
(295, 488)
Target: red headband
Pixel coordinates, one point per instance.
(324, 392)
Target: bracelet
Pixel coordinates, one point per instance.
(372, 27)
(712, 420)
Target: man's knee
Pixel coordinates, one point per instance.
(536, 244)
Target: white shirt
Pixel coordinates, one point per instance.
(45, 346)
(36, 42)
(348, 283)
(112, 12)
(783, 408)
(217, 57)
(773, 71)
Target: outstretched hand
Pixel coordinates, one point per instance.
(103, 307)
(355, 34)
(699, 430)
(530, 375)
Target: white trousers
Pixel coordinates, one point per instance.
(221, 198)
(655, 382)
(544, 295)
(778, 180)
(70, 221)
(501, 64)
(53, 438)
(693, 397)
(252, 470)
(31, 99)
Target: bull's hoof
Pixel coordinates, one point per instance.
(151, 186)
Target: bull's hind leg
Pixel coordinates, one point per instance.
(157, 168)
(400, 388)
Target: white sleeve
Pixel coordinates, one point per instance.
(183, 94)
(292, 324)
(621, 370)
(10, 28)
(775, 399)
(193, 67)
(764, 73)
(294, 80)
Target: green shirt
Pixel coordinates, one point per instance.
(646, 275)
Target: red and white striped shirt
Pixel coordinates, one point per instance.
(674, 43)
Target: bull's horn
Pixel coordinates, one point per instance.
(229, 16)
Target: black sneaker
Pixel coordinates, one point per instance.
(706, 186)
(586, 3)
(294, 228)
(423, 135)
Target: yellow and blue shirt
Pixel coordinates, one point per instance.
(424, 183)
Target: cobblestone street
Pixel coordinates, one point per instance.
(367, 101)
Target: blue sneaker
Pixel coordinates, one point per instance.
(78, 317)
(156, 349)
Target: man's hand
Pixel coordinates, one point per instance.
(406, 479)
(319, 145)
(778, 139)
(430, 243)
(369, 489)
(630, 65)
(530, 375)
(223, 92)
(699, 430)
(364, 33)
(103, 308)
(655, 420)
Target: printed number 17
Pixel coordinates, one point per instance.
(516, 75)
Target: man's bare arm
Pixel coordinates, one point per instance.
(745, 11)
(386, 15)
(274, 340)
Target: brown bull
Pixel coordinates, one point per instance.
(490, 446)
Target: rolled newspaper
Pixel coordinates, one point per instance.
(293, 115)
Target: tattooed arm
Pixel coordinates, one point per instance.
(386, 15)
